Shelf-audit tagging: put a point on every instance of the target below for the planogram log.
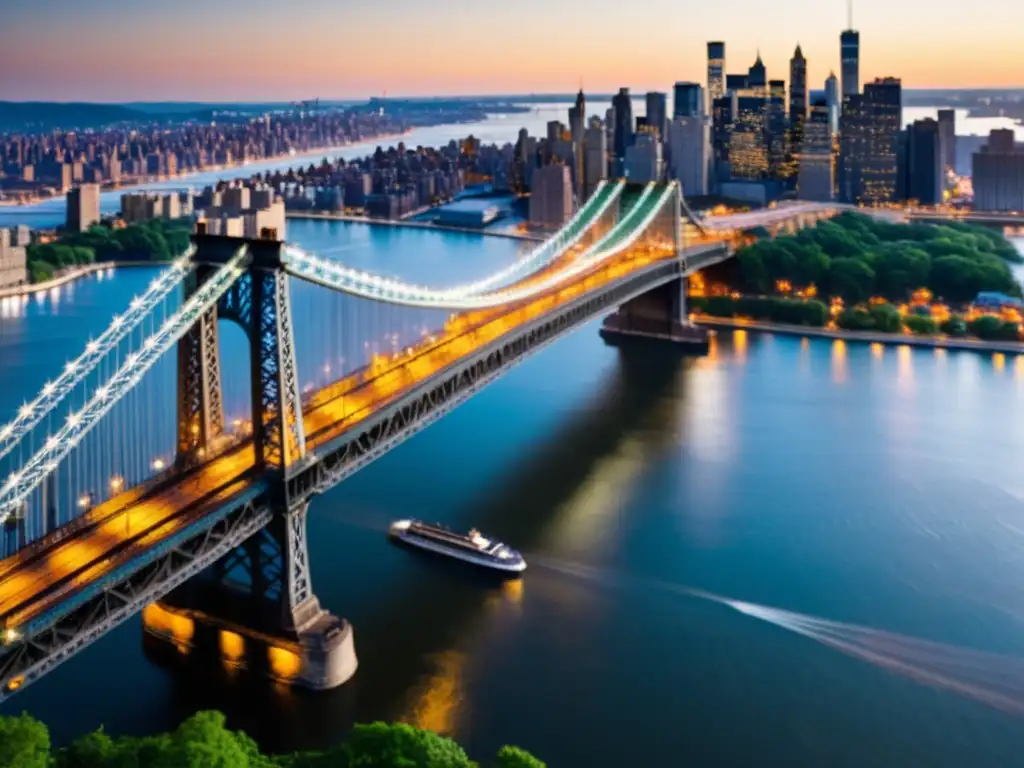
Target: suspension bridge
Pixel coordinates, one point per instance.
(155, 474)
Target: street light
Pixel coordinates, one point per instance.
(116, 484)
(158, 464)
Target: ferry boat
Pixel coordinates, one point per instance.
(470, 547)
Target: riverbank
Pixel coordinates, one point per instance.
(73, 274)
(147, 180)
(866, 337)
(326, 216)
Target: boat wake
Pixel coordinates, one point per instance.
(993, 679)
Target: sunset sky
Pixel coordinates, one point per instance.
(116, 50)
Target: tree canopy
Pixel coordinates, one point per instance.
(855, 257)
(205, 741)
(155, 240)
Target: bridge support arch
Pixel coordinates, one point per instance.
(255, 606)
(660, 314)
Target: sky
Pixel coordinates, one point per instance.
(245, 50)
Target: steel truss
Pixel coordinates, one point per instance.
(350, 452)
(200, 408)
(42, 650)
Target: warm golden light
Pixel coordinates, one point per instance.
(284, 663)
(232, 645)
(168, 624)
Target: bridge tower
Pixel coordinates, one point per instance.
(660, 314)
(259, 596)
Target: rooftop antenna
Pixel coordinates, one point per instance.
(849, 14)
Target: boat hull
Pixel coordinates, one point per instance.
(510, 569)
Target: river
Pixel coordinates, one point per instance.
(874, 491)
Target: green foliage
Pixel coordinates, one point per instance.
(24, 743)
(886, 318)
(779, 310)
(155, 240)
(855, 319)
(514, 757)
(855, 257)
(204, 741)
(922, 326)
(954, 326)
(991, 328)
(381, 745)
(851, 279)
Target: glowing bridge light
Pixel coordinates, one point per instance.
(117, 322)
(48, 388)
(11, 636)
(92, 346)
(158, 464)
(74, 420)
(84, 501)
(25, 411)
(51, 443)
(101, 393)
(150, 342)
(136, 303)
(116, 483)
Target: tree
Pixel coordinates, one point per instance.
(855, 320)
(850, 279)
(954, 326)
(380, 745)
(886, 318)
(514, 757)
(917, 324)
(24, 742)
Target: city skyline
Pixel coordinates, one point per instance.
(193, 51)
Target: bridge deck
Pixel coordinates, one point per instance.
(37, 582)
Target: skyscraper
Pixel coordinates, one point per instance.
(757, 78)
(622, 104)
(998, 174)
(716, 70)
(923, 162)
(817, 176)
(688, 100)
(689, 145)
(577, 126)
(83, 207)
(833, 101)
(797, 88)
(595, 157)
(657, 113)
(849, 43)
(869, 143)
(947, 136)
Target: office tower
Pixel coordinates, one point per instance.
(777, 127)
(623, 106)
(738, 84)
(551, 196)
(922, 162)
(643, 159)
(748, 148)
(716, 70)
(997, 172)
(689, 150)
(13, 264)
(688, 100)
(757, 78)
(595, 157)
(83, 207)
(833, 101)
(723, 118)
(849, 43)
(797, 88)
(816, 169)
(947, 137)
(657, 113)
(577, 126)
(555, 131)
(1001, 141)
(869, 143)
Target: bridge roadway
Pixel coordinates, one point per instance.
(37, 583)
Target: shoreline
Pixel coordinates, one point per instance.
(864, 337)
(30, 289)
(158, 179)
(350, 219)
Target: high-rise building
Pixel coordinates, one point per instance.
(748, 148)
(13, 269)
(922, 162)
(83, 207)
(657, 113)
(947, 139)
(577, 127)
(817, 170)
(849, 43)
(688, 100)
(723, 119)
(595, 157)
(869, 144)
(997, 172)
(623, 106)
(644, 159)
(716, 70)
(689, 150)
(551, 196)
(797, 88)
(757, 78)
(833, 101)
